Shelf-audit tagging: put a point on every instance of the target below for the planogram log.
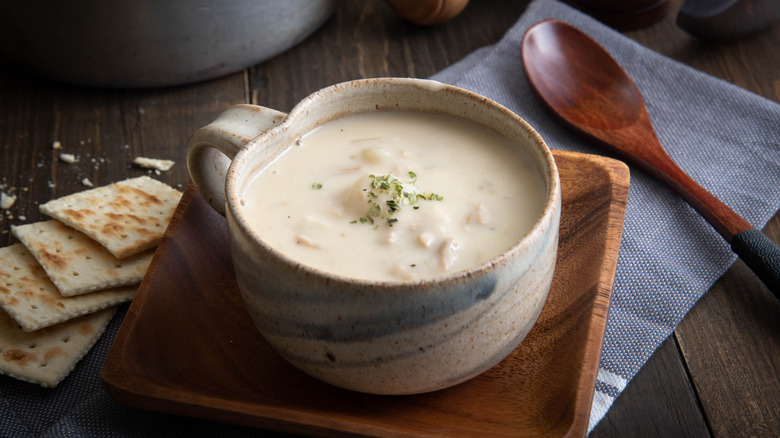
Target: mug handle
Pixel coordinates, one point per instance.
(212, 147)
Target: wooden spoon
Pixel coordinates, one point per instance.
(580, 82)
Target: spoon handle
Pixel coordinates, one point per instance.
(761, 255)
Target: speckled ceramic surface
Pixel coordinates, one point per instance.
(378, 337)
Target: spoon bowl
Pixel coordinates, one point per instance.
(580, 82)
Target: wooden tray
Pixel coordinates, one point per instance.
(188, 347)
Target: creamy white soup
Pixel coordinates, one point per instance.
(395, 196)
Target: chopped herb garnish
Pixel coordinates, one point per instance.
(396, 193)
(316, 186)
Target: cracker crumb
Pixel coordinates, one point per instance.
(153, 163)
(6, 201)
(68, 158)
(56, 144)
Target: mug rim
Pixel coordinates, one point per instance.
(234, 179)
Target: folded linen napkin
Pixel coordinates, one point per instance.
(668, 258)
(726, 138)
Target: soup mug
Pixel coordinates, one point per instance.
(382, 337)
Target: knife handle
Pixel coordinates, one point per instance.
(761, 254)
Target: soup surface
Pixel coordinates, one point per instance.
(395, 196)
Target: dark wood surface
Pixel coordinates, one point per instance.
(719, 374)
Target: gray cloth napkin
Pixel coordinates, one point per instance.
(725, 137)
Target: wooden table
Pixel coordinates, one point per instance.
(717, 375)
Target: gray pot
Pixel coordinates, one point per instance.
(151, 43)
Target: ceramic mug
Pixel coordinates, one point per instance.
(378, 337)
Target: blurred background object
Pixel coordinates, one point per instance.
(150, 43)
(727, 20)
(625, 14)
(427, 12)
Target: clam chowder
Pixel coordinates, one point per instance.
(395, 196)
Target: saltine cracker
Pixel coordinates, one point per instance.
(29, 297)
(48, 355)
(75, 263)
(127, 217)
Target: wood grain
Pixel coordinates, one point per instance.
(719, 334)
(104, 129)
(669, 402)
(189, 311)
(366, 39)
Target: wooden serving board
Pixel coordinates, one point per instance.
(187, 345)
